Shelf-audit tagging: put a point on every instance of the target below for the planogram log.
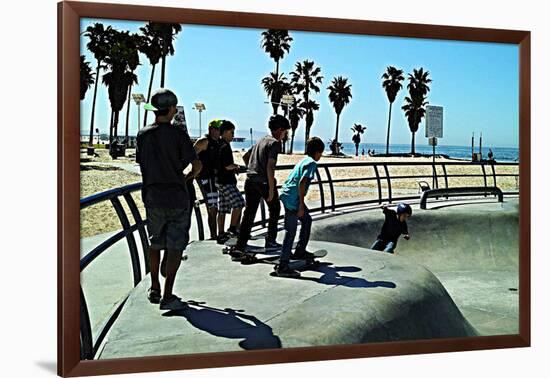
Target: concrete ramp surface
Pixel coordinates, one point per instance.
(473, 249)
(456, 277)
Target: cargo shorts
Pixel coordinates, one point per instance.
(168, 228)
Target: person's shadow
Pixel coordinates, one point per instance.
(229, 323)
(331, 276)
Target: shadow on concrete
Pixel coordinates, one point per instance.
(229, 323)
(331, 276)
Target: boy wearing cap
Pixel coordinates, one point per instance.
(261, 160)
(207, 149)
(230, 199)
(163, 152)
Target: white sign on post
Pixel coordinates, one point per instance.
(287, 99)
(434, 121)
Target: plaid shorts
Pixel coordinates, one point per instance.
(229, 198)
(209, 192)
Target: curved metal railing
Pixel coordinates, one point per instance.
(327, 202)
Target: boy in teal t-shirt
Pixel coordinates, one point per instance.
(292, 196)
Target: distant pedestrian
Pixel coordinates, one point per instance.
(363, 152)
(163, 152)
(490, 154)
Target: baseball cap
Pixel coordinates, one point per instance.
(161, 99)
(215, 123)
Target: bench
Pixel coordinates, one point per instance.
(460, 191)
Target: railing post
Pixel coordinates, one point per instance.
(388, 179)
(198, 217)
(378, 183)
(141, 228)
(331, 186)
(321, 190)
(86, 339)
(134, 255)
(484, 177)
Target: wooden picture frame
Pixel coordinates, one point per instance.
(69, 15)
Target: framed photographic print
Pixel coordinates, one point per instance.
(239, 188)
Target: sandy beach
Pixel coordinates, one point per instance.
(102, 173)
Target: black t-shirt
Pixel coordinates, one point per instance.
(265, 149)
(392, 228)
(226, 177)
(209, 159)
(163, 152)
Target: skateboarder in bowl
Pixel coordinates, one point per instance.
(292, 196)
(394, 226)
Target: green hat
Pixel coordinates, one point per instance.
(215, 123)
(162, 99)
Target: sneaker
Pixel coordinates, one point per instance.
(223, 238)
(272, 245)
(285, 271)
(302, 255)
(237, 255)
(173, 303)
(153, 295)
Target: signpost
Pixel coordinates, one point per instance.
(179, 119)
(434, 130)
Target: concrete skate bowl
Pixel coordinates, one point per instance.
(472, 249)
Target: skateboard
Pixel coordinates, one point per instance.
(302, 264)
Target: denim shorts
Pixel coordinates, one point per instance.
(168, 228)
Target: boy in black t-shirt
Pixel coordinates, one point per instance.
(394, 226)
(230, 200)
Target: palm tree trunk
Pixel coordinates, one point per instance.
(149, 93)
(111, 129)
(388, 138)
(128, 116)
(336, 149)
(357, 149)
(412, 144)
(91, 141)
(292, 142)
(277, 69)
(115, 124)
(163, 70)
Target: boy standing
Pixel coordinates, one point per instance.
(261, 160)
(207, 149)
(230, 200)
(293, 196)
(163, 152)
(394, 226)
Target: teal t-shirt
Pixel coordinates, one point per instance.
(290, 195)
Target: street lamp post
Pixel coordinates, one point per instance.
(200, 107)
(138, 98)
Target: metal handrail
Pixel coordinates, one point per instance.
(89, 347)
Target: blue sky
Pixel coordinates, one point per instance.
(476, 83)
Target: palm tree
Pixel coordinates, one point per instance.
(276, 87)
(276, 42)
(86, 77)
(131, 42)
(305, 79)
(151, 46)
(418, 83)
(296, 113)
(98, 45)
(392, 84)
(167, 33)
(357, 129)
(119, 78)
(415, 103)
(340, 96)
